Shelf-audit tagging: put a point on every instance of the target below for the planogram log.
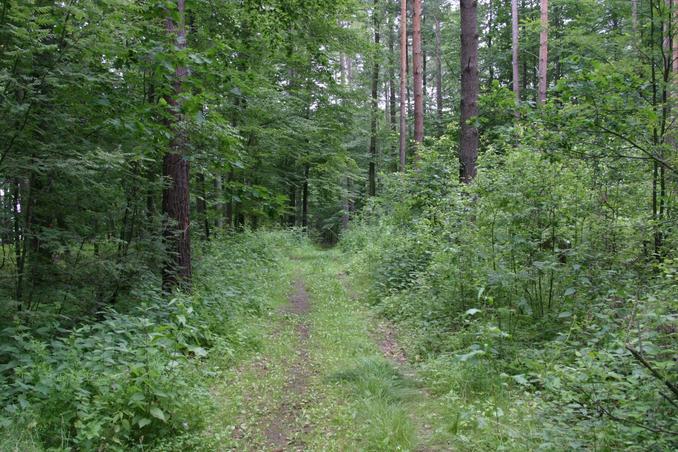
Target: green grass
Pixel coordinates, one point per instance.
(354, 398)
(351, 397)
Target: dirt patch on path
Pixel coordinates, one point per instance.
(299, 303)
(388, 344)
(283, 423)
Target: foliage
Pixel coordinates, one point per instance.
(524, 281)
(136, 377)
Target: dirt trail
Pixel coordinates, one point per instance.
(283, 423)
(319, 382)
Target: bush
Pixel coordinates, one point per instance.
(134, 377)
(536, 277)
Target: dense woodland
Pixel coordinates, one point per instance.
(499, 176)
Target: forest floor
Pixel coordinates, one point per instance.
(327, 376)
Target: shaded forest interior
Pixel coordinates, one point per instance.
(499, 179)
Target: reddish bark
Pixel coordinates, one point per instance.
(418, 69)
(403, 83)
(175, 196)
(470, 87)
(515, 48)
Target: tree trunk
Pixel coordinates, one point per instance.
(201, 206)
(656, 141)
(372, 176)
(439, 74)
(175, 197)
(490, 35)
(634, 16)
(515, 50)
(391, 75)
(346, 214)
(221, 207)
(403, 83)
(543, 51)
(470, 87)
(525, 54)
(19, 241)
(292, 221)
(418, 67)
(304, 200)
(424, 61)
(229, 204)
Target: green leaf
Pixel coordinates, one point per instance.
(144, 421)
(197, 351)
(520, 379)
(158, 414)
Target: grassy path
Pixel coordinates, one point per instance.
(327, 376)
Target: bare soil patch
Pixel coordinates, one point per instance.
(282, 424)
(299, 303)
(388, 344)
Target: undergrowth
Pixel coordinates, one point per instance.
(525, 309)
(140, 374)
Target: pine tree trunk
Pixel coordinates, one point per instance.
(175, 199)
(418, 66)
(470, 87)
(515, 51)
(543, 51)
(439, 74)
(175, 205)
(403, 83)
(372, 171)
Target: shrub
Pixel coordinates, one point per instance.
(134, 377)
(536, 277)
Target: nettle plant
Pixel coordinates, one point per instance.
(121, 381)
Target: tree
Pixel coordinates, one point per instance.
(515, 50)
(403, 83)
(439, 71)
(418, 70)
(175, 196)
(391, 72)
(470, 88)
(374, 105)
(543, 51)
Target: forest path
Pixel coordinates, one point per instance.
(327, 375)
